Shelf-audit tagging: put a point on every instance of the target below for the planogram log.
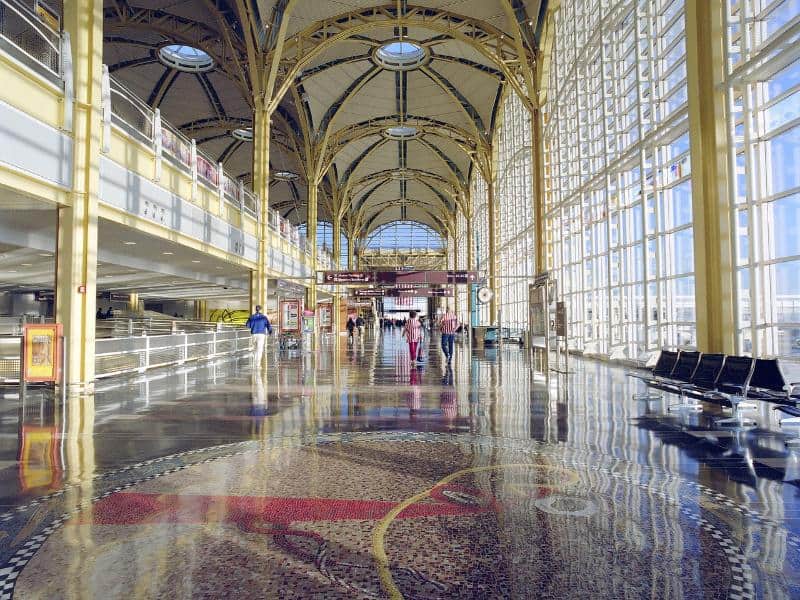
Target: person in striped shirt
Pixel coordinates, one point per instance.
(413, 334)
(448, 325)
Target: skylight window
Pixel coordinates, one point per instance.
(186, 58)
(243, 133)
(401, 55)
(401, 132)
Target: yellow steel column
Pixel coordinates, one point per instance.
(454, 301)
(311, 240)
(537, 161)
(261, 134)
(76, 257)
(133, 302)
(492, 254)
(470, 265)
(713, 249)
(337, 250)
(350, 252)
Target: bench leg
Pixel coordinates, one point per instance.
(648, 397)
(688, 404)
(738, 419)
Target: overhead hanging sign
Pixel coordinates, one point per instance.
(398, 277)
(409, 292)
(347, 277)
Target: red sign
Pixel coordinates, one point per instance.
(347, 277)
(426, 277)
(400, 277)
(405, 292)
(371, 292)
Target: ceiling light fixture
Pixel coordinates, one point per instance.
(168, 253)
(129, 243)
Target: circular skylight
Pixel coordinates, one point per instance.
(401, 55)
(401, 132)
(243, 133)
(186, 58)
(285, 175)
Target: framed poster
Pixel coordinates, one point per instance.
(290, 316)
(41, 355)
(325, 314)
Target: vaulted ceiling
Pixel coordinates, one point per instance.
(339, 99)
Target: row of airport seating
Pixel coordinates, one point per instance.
(722, 379)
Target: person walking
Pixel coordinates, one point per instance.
(351, 327)
(448, 326)
(259, 326)
(412, 331)
(360, 324)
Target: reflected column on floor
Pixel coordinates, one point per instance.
(80, 468)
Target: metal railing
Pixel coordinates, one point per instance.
(118, 356)
(130, 113)
(13, 325)
(135, 117)
(29, 38)
(10, 350)
(125, 327)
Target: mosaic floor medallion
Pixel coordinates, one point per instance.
(395, 515)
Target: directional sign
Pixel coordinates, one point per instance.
(371, 292)
(346, 277)
(410, 292)
(399, 277)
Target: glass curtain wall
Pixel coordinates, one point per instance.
(618, 201)
(514, 211)
(763, 88)
(405, 235)
(325, 240)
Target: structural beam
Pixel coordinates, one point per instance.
(261, 142)
(76, 256)
(713, 242)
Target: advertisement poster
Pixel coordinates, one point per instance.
(325, 314)
(41, 352)
(290, 316)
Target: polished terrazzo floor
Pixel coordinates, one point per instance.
(350, 473)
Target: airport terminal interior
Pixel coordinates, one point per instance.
(399, 299)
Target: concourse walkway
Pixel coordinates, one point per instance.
(350, 473)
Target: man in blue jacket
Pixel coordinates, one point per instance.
(259, 327)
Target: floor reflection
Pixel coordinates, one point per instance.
(335, 412)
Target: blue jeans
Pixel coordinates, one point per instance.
(448, 340)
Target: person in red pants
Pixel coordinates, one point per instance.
(413, 334)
